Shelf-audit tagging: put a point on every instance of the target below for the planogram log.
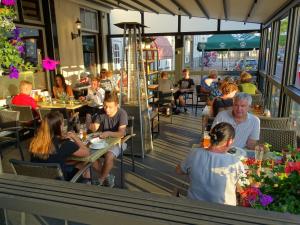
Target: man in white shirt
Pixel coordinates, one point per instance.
(95, 94)
(246, 125)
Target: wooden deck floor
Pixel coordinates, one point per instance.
(156, 172)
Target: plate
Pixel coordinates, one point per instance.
(99, 145)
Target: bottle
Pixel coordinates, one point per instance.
(206, 139)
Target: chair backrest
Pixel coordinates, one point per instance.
(43, 112)
(9, 118)
(278, 138)
(164, 98)
(26, 114)
(198, 89)
(41, 170)
(129, 128)
(276, 122)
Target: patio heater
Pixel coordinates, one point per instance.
(133, 87)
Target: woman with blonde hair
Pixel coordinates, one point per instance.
(51, 146)
(246, 85)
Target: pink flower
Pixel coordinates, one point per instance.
(49, 64)
(292, 166)
(8, 2)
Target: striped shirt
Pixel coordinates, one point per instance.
(248, 129)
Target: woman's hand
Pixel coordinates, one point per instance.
(71, 135)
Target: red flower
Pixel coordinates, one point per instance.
(292, 166)
(249, 195)
(250, 162)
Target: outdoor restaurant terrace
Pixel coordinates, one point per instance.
(149, 112)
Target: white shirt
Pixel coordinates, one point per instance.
(213, 176)
(96, 96)
(248, 129)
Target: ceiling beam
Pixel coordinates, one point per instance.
(225, 9)
(163, 7)
(250, 11)
(99, 3)
(145, 6)
(129, 5)
(202, 8)
(113, 4)
(180, 7)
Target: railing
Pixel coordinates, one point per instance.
(28, 200)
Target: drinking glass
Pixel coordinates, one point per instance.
(259, 152)
(206, 139)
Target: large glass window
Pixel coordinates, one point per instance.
(160, 23)
(198, 24)
(222, 52)
(233, 25)
(275, 101)
(89, 53)
(295, 114)
(117, 52)
(297, 83)
(268, 48)
(281, 47)
(89, 20)
(31, 10)
(119, 16)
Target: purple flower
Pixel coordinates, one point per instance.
(14, 72)
(8, 2)
(265, 200)
(21, 49)
(49, 64)
(16, 32)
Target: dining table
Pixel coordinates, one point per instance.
(62, 104)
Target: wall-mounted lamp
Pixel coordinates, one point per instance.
(78, 26)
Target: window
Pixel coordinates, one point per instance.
(31, 10)
(89, 47)
(297, 82)
(233, 25)
(232, 52)
(161, 23)
(295, 114)
(275, 101)
(281, 47)
(89, 20)
(268, 48)
(116, 53)
(197, 24)
(166, 52)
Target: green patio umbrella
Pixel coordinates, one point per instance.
(235, 42)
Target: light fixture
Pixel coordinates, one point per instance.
(78, 26)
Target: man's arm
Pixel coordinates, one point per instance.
(251, 144)
(254, 136)
(118, 134)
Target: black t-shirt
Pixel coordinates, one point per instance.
(63, 149)
(112, 123)
(186, 83)
(221, 103)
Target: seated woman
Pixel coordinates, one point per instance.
(214, 173)
(246, 86)
(209, 84)
(61, 89)
(226, 100)
(51, 146)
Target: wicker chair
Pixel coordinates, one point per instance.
(43, 112)
(27, 118)
(276, 122)
(278, 138)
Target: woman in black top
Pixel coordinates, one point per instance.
(50, 146)
(224, 102)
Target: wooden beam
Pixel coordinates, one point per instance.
(99, 3)
(180, 7)
(129, 5)
(201, 7)
(113, 4)
(250, 10)
(225, 10)
(145, 6)
(163, 7)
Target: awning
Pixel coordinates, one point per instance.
(165, 50)
(235, 42)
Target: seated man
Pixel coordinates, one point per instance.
(112, 123)
(24, 98)
(185, 85)
(95, 94)
(246, 125)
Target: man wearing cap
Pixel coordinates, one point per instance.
(246, 86)
(186, 85)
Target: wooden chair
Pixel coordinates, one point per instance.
(43, 170)
(10, 129)
(201, 98)
(27, 119)
(129, 136)
(276, 122)
(278, 138)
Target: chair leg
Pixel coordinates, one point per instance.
(122, 173)
(19, 145)
(132, 156)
